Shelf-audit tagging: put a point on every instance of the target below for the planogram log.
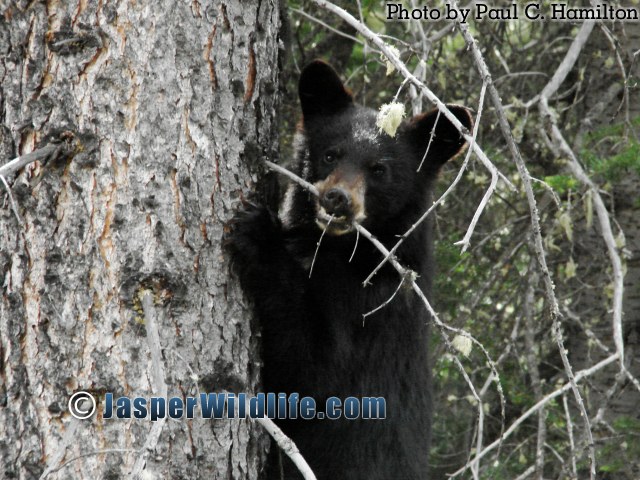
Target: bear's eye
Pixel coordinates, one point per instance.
(329, 158)
(378, 170)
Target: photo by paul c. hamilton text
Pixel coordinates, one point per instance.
(533, 11)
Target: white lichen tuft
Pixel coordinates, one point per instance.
(389, 118)
(570, 268)
(147, 475)
(462, 344)
(387, 61)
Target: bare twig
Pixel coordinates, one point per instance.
(292, 176)
(157, 377)
(387, 302)
(525, 475)
(544, 401)
(13, 203)
(534, 371)
(572, 443)
(535, 220)
(442, 197)
(411, 276)
(623, 73)
(288, 447)
(19, 162)
(324, 230)
(325, 25)
(433, 134)
(601, 211)
(593, 337)
(355, 246)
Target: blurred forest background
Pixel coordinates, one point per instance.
(495, 289)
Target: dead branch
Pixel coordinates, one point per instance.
(411, 276)
(14, 207)
(157, 376)
(544, 401)
(402, 68)
(442, 197)
(576, 169)
(535, 218)
(572, 443)
(19, 162)
(285, 443)
(288, 447)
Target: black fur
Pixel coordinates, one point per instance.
(315, 341)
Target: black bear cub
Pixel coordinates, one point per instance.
(315, 340)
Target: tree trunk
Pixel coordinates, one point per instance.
(118, 254)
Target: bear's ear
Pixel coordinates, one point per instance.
(446, 140)
(321, 90)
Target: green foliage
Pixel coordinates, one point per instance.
(454, 275)
(616, 454)
(611, 153)
(561, 184)
(616, 166)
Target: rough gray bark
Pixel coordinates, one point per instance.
(167, 104)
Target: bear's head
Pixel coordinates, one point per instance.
(363, 174)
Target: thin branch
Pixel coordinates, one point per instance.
(402, 68)
(544, 401)
(387, 302)
(287, 446)
(324, 230)
(569, 60)
(525, 475)
(601, 211)
(157, 377)
(433, 134)
(532, 366)
(592, 337)
(476, 216)
(327, 26)
(442, 197)
(551, 87)
(67, 438)
(11, 200)
(355, 246)
(475, 463)
(411, 275)
(395, 99)
(292, 176)
(576, 169)
(19, 162)
(572, 443)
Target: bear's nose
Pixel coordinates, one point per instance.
(336, 202)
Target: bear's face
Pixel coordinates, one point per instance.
(362, 174)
